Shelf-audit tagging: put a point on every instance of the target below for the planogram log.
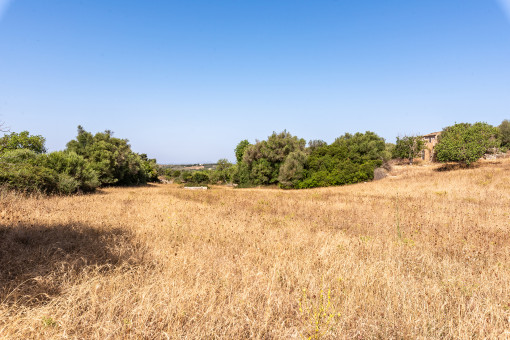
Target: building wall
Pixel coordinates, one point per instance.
(428, 153)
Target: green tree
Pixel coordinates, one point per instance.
(350, 159)
(240, 148)
(112, 158)
(22, 140)
(292, 170)
(150, 167)
(408, 147)
(466, 143)
(504, 130)
(224, 170)
(264, 158)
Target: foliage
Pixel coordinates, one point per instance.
(504, 130)
(239, 150)
(27, 176)
(316, 143)
(388, 151)
(466, 143)
(408, 147)
(112, 158)
(22, 140)
(242, 175)
(76, 174)
(200, 177)
(150, 167)
(261, 161)
(224, 171)
(57, 172)
(292, 170)
(350, 159)
(88, 162)
(186, 176)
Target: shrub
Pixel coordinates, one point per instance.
(350, 159)
(150, 168)
(75, 172)
(466, 143)
(408, 147)
(110, 157)
(57, 172)
(186, 176)
(261, 161)
(27, 177)
(200, 177)
(224, 171)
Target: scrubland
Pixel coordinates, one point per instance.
(422, 254)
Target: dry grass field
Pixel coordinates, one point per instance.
(422, 254)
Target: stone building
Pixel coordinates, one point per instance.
(428, 153)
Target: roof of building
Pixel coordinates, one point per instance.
(432, 134)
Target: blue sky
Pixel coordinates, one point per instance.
(185, 81)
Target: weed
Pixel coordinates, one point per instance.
(317, 313)
(49, 322)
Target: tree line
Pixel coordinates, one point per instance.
(463, 142)
(289, 162)
(88, 162)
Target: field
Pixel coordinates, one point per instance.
(420, 254)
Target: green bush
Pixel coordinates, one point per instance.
(75, 172)
(200, 177)
(111, 158)
(261, 161)
(27, 177)
(350, 159)
(186, 176)
(224, 172)
(466, 143)
(150, 167)
(57, 172)
(19, 156)
(408, 147)
(88, 162)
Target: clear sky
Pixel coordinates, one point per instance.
(186, 80)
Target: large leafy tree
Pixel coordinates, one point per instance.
(262, 160)
(350, 159)
(408, 147)
(112, 158)
(466, 143)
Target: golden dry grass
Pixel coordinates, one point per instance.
(425, 254)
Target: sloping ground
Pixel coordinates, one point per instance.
(423, 254)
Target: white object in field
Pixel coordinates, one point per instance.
(196, 188)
